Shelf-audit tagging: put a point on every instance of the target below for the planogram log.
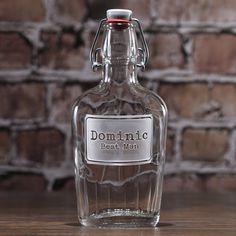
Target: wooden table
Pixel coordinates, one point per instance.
(55, 214)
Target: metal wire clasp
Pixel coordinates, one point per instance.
(143, 53)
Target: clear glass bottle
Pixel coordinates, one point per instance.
(119, 134)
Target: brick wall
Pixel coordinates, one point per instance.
(44, 66)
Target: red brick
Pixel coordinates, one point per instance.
(196, 11)
(97, 8)
(205, 145)
(185, 100)
(65, 185)
(215, 53)
(69, 12)
(170, 145)
(22, 101)
(183, 183)
(62, 100)
(193, 183)
(5, 145)
(221, 183)
(224, 96)
(141, 10)
(62, 52)
(196, 100)
(165, 51)
(41, 147)
(21, 10)
(23, 182)
(15, 51)
(172, 183)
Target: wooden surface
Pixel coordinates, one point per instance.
(55, 214)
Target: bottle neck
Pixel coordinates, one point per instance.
(120, 73)
(120, 54)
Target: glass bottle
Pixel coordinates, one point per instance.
(119, 133)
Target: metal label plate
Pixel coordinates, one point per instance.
(118, 140)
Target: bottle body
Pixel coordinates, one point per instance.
(119, 194)
(119, 134)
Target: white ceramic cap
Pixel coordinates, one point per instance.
(119, 14)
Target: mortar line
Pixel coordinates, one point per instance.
(170, 168)
(177, 147)
(152, 11)
(86, 75)
(232, 151)
(13, 145)
(48, 6)
(156, 25)
(188, 123)
(63, 127)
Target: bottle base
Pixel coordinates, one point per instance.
(123, 218)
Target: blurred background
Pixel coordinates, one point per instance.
(44, 66)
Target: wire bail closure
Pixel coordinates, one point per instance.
(143, 53)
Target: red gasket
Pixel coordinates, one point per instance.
(118, 21)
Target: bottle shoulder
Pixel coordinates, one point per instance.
(90, 97)
(121, 99)
(151, 98)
